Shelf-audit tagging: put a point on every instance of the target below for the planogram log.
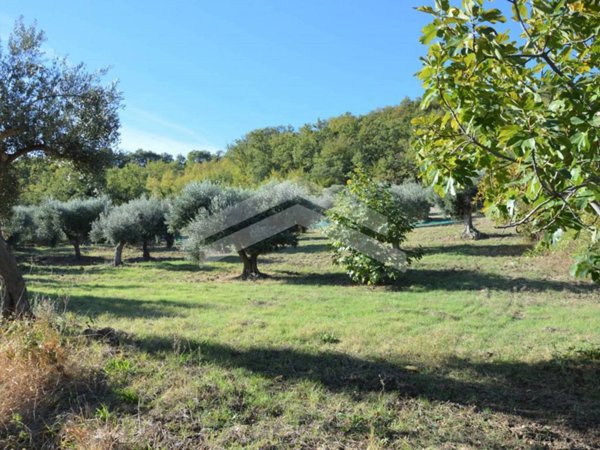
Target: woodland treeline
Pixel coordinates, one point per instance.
(324, 153)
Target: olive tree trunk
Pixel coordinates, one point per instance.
(77, 248)
(170, 240)
(13, 292)
(250, 262)
(119, 254)
(145, 251)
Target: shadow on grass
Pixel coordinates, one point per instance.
(120, 307)
(480, 250)
(565, 391)
(308, 248)
(443, 279)
(471, 280)
(316, 279)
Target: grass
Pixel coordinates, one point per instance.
(481, 345)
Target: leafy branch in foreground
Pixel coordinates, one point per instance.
(525, 111)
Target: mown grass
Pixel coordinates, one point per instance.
(481, 345)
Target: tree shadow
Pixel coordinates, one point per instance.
(46, 259)
(472, 280)
(562, 391)
(122, 307)
(480, 250)
(442, 279)
(308, 248)
(313, 278)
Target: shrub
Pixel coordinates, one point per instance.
(369, 209)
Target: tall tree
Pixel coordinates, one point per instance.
(523, 109)
(47, 107)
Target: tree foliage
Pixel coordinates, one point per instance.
(140, 221)
(524, 109)
(413, 199)
(245, 221)
(77, 217)
(48, 107)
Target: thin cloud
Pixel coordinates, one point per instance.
(134, 138)
(146, 116)
(147, 130)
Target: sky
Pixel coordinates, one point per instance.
(201, 74)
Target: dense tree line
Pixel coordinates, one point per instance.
(325, 153)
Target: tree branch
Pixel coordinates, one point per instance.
(471, 138)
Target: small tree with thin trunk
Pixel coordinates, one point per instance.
(140, 221)
(49, 108)
(76, 218)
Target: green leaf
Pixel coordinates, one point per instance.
(577, 121)
(429, 33)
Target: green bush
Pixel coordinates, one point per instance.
(370, 209)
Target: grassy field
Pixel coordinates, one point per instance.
(481, 345)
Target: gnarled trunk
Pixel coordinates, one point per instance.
(77, 248)
(13, 292)
(250, 262)
(145, 251)
(170, 240)
(119, 254)
(469, 232)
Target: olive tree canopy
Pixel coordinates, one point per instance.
(48, 108)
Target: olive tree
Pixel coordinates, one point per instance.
(195, 197)
(414, 199)
(47, 221)
(461, 205)
(34, 225)
(249, 222)
(76, 218)
(139, 221)
(524, 109)
(20, 228)
(49, 108)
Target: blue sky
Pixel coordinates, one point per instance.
(200, 74)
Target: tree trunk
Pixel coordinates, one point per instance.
(119, 254)
(145, 252)
(250, 262)
(170, 240)
(77, 250)
(13, 292)
(470, 232)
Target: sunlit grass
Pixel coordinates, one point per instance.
(477, 343)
